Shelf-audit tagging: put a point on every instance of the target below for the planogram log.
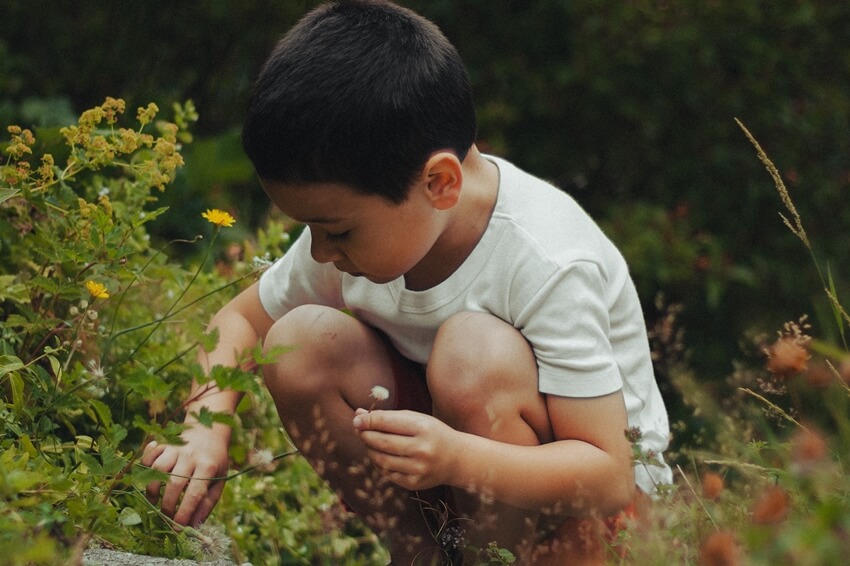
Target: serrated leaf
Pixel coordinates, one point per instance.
(103, 412)
(234, 379)
(209, 340)
(167, 434)
(270, 356)
(207, 417)
(141, 476)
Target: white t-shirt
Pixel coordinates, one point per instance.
(544, 266)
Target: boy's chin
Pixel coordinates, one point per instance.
(377, 279)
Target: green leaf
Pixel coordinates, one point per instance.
(17, 392)
(209, 340)
(141, 476)
(13, 291)
(6, 194)
(102, 411)
(168, 434)
(129, 517)
(20, 480)
(9, 364)
(94, 467)
(270, 356)
(207, 417)
(147, 385)
(234, 379)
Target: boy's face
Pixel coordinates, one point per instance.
(363, 235)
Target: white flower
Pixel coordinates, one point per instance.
(261, 263)
(262, 460)
(380, 393)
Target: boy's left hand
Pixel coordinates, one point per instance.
(413, 448)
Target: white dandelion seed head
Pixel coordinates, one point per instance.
(380, 393)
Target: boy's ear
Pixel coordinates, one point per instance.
(443, 178)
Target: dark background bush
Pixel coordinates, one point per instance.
(629, 106)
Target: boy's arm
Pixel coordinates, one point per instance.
(241, 323)
(587, 469)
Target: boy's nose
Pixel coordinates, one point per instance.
(323, 251)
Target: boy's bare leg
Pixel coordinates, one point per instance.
(317, 387)
(482, 376)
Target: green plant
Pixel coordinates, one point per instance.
(763, 480)
(99, 329)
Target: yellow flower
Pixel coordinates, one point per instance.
(218, 217)
(97, 290)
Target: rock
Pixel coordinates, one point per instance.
(105, 557)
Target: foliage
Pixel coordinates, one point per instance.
(627, 105)
(763, 479)
(98, 335)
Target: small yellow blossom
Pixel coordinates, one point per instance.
(97, 290)
(219, 217)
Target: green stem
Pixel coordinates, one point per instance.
(170, 310)
(173, 313)
(108, 346)
(227, 477)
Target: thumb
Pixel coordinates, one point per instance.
(362, 419)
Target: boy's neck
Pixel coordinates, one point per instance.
(466, 225)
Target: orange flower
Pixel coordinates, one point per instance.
(772, 507)
(807, 448)
(712, 485)
(720, 548)
(787, 356)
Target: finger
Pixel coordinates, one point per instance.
(393, 444)
(407, 481)
(192, 498)
(387, 462)
(164, 462)
(395, 422)
(152, 451)
(174, 488)
(207, 504)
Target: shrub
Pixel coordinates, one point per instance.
(98, 334)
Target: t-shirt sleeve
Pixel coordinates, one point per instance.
(567, 324)
(297, 279)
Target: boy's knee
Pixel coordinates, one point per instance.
(477, 354)
(305, 332)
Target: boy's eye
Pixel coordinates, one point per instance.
(337, 237)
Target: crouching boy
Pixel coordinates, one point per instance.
(499, 319)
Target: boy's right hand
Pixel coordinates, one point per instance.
(197, 469)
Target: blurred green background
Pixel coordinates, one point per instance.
(629, 106)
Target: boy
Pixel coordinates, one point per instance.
(498, 317)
